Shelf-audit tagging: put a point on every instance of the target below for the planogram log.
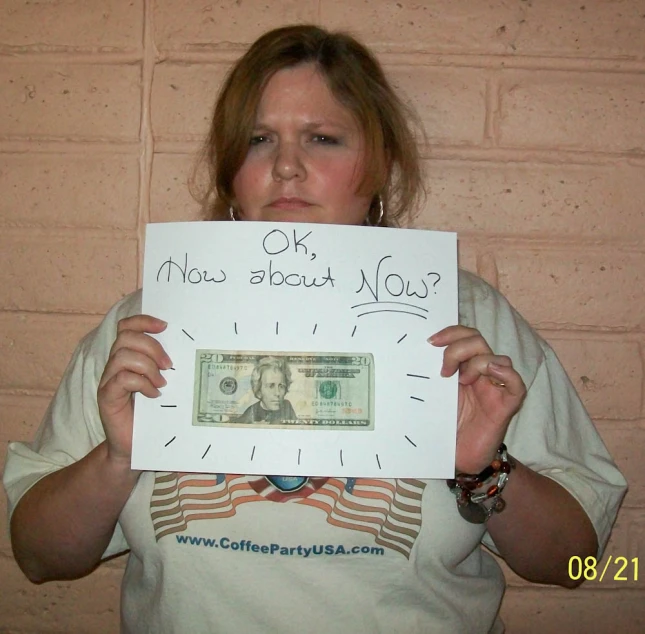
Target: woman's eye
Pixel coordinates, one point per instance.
(257, 139)
(325, 139)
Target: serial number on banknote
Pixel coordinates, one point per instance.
(284, 390)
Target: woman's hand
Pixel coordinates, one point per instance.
(490, 393)
(133, 366)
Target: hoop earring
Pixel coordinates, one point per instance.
(231, 213)
(380, 215)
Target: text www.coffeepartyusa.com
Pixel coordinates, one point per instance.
(245, 545)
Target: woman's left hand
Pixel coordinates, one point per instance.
(490, 393)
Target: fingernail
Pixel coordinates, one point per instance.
(163, 381)
(167, 363)
(495, 367)
(431, 339)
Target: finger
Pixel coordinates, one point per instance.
(120, 387)
(450, 334)
(134, 362)
(463, 350)
(510, 380)
(144, 344)
(477, 366)
(142, 323)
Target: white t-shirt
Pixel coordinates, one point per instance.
(232, 553)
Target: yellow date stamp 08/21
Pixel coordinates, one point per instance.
(615, 569)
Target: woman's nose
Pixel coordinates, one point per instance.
(288, 162)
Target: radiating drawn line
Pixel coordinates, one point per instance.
(378, 462)
(207, 450)
(402, 338)
(413, 444)
(253, 452)
(416, 398)
(299, 452)
(314, 332)
(235, 325)
(187, 334)
(341, 458)
(170, 441)
(168, 406)
(425, 310)
(277, 327)
(171, 368)
(418, 376)
(405, 312)
(354, 331)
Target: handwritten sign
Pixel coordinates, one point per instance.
(300, 350)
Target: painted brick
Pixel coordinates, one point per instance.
(439, 26)
(21, 415)
(606, 374)
(35, 349)
(549, 27)
(599, 288)
(450, 101)
(583, 611)
(183, 97)
(595, 29)
(625, 442)
(66, 272)
(170, 199)
(529, 199)
(69, 190)
(69, 100)
(87, 605)
(74, 23)
(219, 24)
(580, 111)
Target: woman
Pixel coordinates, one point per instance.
(307, 129)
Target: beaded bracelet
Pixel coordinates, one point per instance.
(477, 496)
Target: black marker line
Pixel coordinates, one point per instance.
(299, 452)
(405, 312)
(402, 338)
(187, 334)
(253, 453)
(341, 458)
(235, 324)
(170, 441)
(413, 444)
(378, 462)
(416, 398)
(209, 448)
(168, 406)
(353, 331)
(276, 327)
(418, 376)
(172, 368)
(314, 332)
(425, 310)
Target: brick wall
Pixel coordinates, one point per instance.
(534, 111)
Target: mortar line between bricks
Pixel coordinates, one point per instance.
(146, 134)
(641, 351)
(213, 55)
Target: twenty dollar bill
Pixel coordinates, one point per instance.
(284, 390)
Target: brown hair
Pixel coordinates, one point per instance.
(355, 78)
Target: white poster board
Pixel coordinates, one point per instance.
(348, 309)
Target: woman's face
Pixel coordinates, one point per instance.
(306, 157)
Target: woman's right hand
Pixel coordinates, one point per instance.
(134, 365)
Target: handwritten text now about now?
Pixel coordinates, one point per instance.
(174, 271)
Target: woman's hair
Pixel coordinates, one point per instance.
(269, 363)
(357, 81)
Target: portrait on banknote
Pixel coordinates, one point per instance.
(325, 390)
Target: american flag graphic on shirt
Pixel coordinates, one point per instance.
(389, 510)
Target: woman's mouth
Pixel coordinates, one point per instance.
(289, 204)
